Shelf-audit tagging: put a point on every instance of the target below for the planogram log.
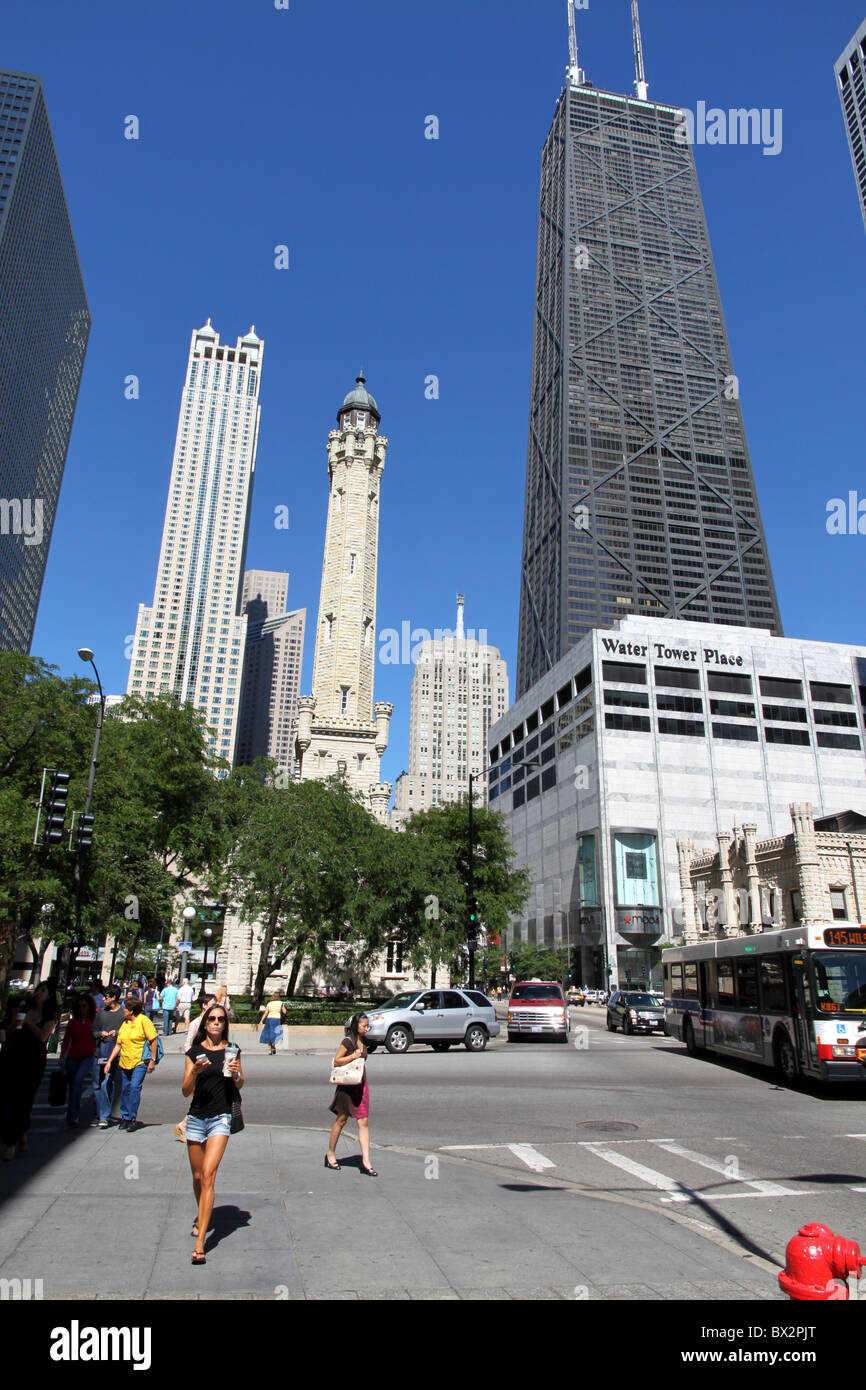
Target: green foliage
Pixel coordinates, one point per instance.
(155, 803)
(540, 962)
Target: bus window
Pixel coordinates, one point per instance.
(676, 979)
(725, 985)
(747, 985)
(690, 979)
(774, 996)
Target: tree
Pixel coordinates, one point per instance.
(156, 804)
(307, 863)
(442, 844)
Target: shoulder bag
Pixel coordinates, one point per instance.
(352, 1074)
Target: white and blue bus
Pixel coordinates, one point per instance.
(794, 1000)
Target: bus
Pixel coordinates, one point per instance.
(794, 1000)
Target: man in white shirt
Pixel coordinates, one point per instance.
(185, 996)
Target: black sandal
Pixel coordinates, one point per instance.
(198, 1259)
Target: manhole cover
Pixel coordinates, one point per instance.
(608, 1126)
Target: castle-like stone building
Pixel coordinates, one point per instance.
(815, 875)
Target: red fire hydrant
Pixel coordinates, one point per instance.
(814, 1260)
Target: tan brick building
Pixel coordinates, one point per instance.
(816, 874)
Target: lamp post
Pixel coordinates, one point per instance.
(207, 934)
(189, 916)
(472, 911)
(85, 654)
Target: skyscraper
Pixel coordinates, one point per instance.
(340, 730)
(191, 639)
(852, 94)
(459, 689)
(639, 489)
(272, 671)
(44, 328)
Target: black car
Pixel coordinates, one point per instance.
(636, 1012)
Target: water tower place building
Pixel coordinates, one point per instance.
(657, 730)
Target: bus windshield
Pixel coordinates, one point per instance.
(840, 981)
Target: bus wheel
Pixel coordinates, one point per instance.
(784, 1056)
(689, 1038)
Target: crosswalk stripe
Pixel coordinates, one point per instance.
(531, 1157)
(766, 1189)
(637, 1170)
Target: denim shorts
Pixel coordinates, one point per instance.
(198, 1131)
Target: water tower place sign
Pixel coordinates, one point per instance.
(710, 656)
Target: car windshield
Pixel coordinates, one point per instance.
(642, 1001)
(537, 994)
(400, 1001)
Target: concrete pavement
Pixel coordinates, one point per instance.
(430, 1227)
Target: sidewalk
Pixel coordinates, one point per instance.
(429, 1227)
(295, 1039)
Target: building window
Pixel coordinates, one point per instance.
(587, 885)
(624, 672)
(344, 699)
(394, 958)
(831, 694)
(838, 905)
(796, 905)
(636, 869)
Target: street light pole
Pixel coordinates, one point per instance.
(86, 655)
(207, 934)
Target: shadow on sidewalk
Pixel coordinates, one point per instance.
(223, 1223)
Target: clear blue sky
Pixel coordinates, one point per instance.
(408, 257)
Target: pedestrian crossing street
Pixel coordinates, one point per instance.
(677, 1172)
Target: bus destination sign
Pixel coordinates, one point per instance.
(845, 936)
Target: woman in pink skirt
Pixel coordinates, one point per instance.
(352, 1102)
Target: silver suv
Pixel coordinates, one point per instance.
(438, 1017)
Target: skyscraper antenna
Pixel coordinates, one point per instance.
(574, 72)
(641, 86)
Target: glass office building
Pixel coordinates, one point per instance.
(640, 496)
(44, 328)
(851, 85)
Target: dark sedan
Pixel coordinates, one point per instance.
(635, 1012)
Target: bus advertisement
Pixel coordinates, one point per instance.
(794, 1000)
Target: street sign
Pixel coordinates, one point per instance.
(185, 946)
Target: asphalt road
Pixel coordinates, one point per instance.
(720, 1144)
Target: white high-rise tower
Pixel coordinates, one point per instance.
(340, 731)
(460, 688)
(191, 639)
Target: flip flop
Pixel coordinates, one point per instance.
(198, 1259)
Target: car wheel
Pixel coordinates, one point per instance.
(476, 1038)
(399, 1039)
(785, 1057)
(440, 1046)
(689, 1038)
(627, 1025)
(611, 1026)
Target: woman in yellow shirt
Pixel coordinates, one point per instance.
(273, 1028)
(135, 1030)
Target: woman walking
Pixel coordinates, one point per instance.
(273, 1028)
(135, 1030)
(22, 1066)
(106, 1026)
(77, 1054)
(352, 1102)
(212, 1078)
(192, 1033)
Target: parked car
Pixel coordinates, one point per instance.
(537, 1009)
(636, 1012)
(439, 1017)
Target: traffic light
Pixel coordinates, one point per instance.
(472, 917)
(85, 832)
(55, 808)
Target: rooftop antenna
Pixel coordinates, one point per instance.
(574, 72)
(641, 86)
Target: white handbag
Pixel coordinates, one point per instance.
(352, 1074)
